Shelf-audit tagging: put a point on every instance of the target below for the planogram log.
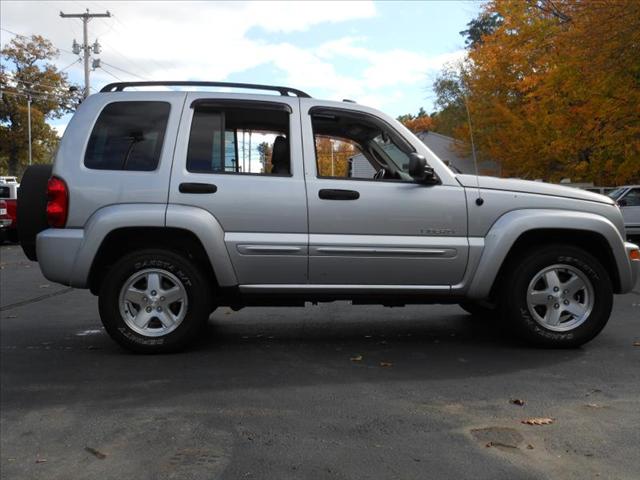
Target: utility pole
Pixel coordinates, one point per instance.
(85, 47)
(29, 126)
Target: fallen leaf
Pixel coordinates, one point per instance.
(636, 344)
(529, 447)
(41, 460)
(500, 444)
(96, 453)
(517, 401)
(357, 358)
(386, 364)
(538, 421)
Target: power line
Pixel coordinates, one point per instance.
(79, 59)
(27, 36)
(28, 95)
(124, 71)
(113, 75)
(12, 76)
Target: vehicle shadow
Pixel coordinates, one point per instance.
(275, 348)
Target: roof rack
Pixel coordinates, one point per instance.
(284, 91)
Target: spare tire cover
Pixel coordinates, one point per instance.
(32, 207)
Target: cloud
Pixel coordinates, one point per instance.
(215, 40)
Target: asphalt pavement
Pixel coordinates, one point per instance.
(321, 392)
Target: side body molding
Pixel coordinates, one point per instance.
(210, 233)
(509, 227)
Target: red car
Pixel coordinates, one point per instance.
(8, 209)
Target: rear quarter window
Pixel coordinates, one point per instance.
(128, 136)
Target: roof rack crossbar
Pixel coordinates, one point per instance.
(284, 91)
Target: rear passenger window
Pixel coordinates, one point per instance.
(128, 136)
(632, 199)
(239, 140)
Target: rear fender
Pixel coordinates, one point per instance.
(210, 233)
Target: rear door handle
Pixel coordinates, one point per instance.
(337, 194)
(197, 188)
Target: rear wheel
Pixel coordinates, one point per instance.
(154, 301)
(558, 296)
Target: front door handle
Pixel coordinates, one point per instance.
(197, 188)
(337, 194)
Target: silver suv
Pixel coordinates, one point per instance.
(168, 204)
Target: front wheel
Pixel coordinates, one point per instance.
(557, 296)
(154, 301)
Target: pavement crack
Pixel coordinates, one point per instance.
(11, 306)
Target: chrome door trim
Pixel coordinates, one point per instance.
(268, 249)
(308, 288)
(384, 252)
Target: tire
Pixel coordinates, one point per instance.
(129, 323)
(479, 310)
(32, 207)
(535, 311)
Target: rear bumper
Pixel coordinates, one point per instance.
(57, 250)
(634, 265)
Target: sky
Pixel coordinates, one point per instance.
(382, 54)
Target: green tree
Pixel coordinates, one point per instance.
(486, 24)
(450, 90)
(264, 150)
(26, 70)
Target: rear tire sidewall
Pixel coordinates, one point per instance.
(194, 282)
(516, 311)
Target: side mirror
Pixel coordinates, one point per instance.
(622, 203)
(420, 170)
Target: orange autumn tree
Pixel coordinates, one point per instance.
(334, 164)
(421, 122)
(553, 88)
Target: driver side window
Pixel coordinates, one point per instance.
(349, 145)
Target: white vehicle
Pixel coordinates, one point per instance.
(628, 199)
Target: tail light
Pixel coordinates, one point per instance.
(57, 202)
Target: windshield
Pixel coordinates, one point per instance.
(615, 194)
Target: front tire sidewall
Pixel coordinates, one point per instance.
(197, 311)
(516, 309)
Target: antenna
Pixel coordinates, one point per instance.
(479, 200)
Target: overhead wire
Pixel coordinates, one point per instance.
(113, 75)
(123, 70)
(80, 59)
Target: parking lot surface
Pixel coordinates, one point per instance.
(329, 391)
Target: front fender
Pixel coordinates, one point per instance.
(509, 227)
